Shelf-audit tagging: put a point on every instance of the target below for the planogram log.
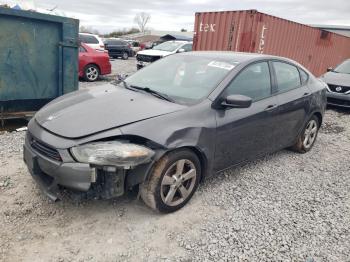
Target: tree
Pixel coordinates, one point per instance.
(119, 33)
(141, 19)
(183, 30)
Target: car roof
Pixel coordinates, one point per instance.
(178, 41)
(87, 34)
(236, 56)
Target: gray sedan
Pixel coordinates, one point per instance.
(338, 81)
(172, 124)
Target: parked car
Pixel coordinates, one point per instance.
(93, 41)
(146, 57)
(93, 63)
(118, 48)
(338, 81)
(135, 45)
(168, 126)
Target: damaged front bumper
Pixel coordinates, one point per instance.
(51, 176)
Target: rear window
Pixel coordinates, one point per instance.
(88, 39)
(287, 76)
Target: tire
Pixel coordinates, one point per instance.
(125, 56)
(307, 138)
(172, 182)
(91, 73)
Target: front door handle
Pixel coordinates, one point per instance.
(271, 107)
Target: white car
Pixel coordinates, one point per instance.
(146, 57)
(93, 41)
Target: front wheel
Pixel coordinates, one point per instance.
(172, 182)
(307, 138)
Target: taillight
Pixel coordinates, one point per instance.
(102, 46)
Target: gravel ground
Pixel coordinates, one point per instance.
(284, 207)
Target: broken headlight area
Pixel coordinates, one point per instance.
(112, 153)
(107, 183)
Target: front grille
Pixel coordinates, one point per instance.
(147, 58)
(339, 89)
(44, 149)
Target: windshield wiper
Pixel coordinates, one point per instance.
(153, 92)
(147, 90)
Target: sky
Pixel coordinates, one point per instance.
(108, 15)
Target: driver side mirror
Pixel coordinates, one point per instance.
(329, 69)
(237, 101)
(181, 50)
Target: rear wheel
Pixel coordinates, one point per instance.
(307, 138)
(173, 181)
(91, 73)
(125, 56)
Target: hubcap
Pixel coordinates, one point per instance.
(310, 134)
(125, 55)
(178, 182)
(92, 73)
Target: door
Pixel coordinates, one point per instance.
(294, 101)
(243, 134)
(83, 59)
(114, 47)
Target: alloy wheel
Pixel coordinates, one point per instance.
(178, 182)
(92, 73)
(310, 134)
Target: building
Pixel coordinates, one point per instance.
(338, 29)
(152, 35)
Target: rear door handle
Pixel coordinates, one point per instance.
(271, 107)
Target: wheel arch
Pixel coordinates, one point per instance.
(319, 117)
(201, 156)
(98, 67)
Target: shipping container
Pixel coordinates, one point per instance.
(255, 32)
(38, 60)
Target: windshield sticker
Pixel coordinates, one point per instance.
(222, 65)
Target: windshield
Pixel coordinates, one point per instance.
(343, 68)
(168, 46)
(186, 79)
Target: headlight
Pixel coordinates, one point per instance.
(113, 153)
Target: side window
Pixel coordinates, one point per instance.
(187, 47)
(303, 76)
(254, 81)
(88, 39)
(287, 76)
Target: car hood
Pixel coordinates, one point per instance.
(153, 52)
(336, 79)
(90, 111)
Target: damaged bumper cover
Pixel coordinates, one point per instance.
(81, 178)
(49, 173)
